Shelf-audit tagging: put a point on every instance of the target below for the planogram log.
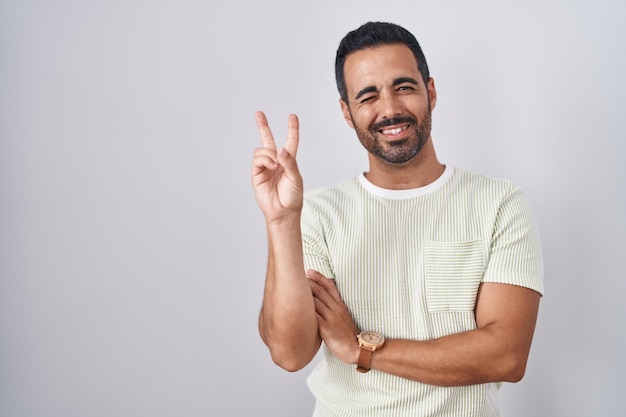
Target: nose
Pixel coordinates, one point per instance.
(390, 106)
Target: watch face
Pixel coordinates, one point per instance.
(371, 337)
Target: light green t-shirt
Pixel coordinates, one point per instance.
(408, 264)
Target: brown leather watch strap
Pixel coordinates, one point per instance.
(365, 357)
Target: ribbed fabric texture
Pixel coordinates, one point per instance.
(408, 264)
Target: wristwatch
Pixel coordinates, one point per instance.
(368, 342)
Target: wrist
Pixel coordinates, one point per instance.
(356, 352)
(369, 342)
(283, 223)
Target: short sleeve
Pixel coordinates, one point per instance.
(314, 245)
(515, 255)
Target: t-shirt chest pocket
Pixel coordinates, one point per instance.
(453, 272)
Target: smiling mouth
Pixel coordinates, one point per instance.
(395, 131)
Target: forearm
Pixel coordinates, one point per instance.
(497, 350)
(473, 357)
(288, 322)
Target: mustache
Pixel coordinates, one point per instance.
(394, 121)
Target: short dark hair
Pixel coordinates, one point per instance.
(371, 35)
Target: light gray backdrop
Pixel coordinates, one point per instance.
(132, 252)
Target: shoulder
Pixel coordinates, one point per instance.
(335, 204)
(481, 182)
(489, 196)
(333, 195)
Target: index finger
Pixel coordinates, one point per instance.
(267, 139)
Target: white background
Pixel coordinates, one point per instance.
(132, 252)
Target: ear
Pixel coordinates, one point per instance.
(346, 113)
(432, 93)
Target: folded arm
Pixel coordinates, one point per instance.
(497, 350)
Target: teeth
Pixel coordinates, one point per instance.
(393, 131)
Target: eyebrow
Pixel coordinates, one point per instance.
(403, 80)
(397, 81)
(370, 89)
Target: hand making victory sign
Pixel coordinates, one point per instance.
(275, 176)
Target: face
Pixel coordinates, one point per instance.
(388, 104)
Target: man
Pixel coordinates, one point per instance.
(437, 270)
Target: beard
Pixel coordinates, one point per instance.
(401, 151)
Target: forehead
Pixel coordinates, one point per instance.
(379, 66)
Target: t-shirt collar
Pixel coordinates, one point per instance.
(409, 193)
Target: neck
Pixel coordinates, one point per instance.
(422, 170)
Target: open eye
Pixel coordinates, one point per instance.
(406, 88)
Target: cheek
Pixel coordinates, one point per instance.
(363, 119)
